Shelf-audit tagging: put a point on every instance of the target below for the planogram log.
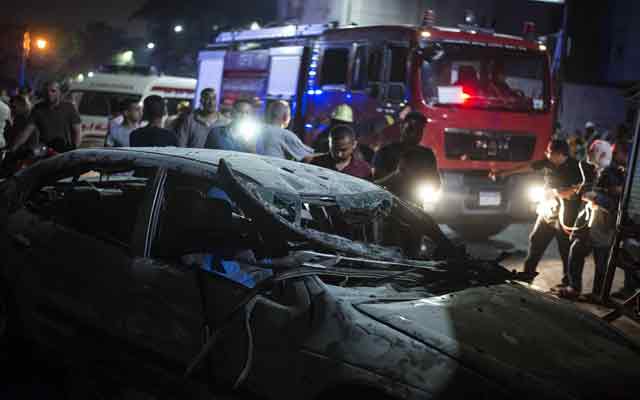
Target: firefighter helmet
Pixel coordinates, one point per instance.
(343, 113)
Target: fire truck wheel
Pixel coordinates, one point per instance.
(482, 230)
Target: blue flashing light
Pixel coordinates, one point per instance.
(318, 92)
(314, 65)
(315, 58)
(349, 96)
(311, 92)
(312, 73)
(308, 126)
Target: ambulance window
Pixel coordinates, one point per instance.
(359, 79)
(335, 64)
(375, 65)
(398, 68)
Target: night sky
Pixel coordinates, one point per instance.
(68, 12)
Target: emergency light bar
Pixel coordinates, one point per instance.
(278, 32)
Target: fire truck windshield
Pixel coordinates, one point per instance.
(473, 76)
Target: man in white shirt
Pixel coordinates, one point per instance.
(119, 134)
(277, 141)
(5, 119)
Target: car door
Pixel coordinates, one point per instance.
(74, 241)
(175, 301)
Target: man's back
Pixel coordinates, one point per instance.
(152, 136)
(278, 142)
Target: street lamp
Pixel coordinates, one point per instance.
(151, 45)
(41, 43)
(178, 28)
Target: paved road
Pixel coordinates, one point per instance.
(515, 239)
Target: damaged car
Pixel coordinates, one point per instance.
(280, 279)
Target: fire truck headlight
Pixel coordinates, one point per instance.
(427, 194)
(536, 194)
(248, 129)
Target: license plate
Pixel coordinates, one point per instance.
(489, 199)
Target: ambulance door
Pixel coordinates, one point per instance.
(287, 74)
(210, 69)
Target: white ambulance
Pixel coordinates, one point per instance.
(98, 97)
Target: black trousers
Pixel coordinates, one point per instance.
(581, 246)
(542, 234)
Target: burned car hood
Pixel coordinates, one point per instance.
(520, 338)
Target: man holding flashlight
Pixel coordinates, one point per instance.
(563, 177)
(240, 134)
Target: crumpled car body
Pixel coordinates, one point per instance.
(94, 248)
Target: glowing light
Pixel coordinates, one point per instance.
(465, 96)
(427, 194)
(542, 47)
(90, 74)
(312, 73)
(255, 26)
(178, 28)
(41, 43)
(311, 92)
(290, 30)
(247, 129)
(151, 45)
(536, 194)
(80, 77)
(308, 126)
(426, 34)
(318, 92)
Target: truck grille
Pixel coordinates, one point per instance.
(465, 144)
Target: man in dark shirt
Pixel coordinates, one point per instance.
(405, 165)
(57, 121)
(564, 178)
(342, 144)
(153, 135)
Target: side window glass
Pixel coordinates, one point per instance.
(335, 64)
(103, 203)
(200, 225)
(398, 64)
(359, 78)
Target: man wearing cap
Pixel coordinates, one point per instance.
(341, 115)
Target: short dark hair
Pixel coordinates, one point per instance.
(340, 132)
(417, 116)
(559, 146)
(126, 103)
(277, 110)
(207, 90)
(240, 101)
(154, 107)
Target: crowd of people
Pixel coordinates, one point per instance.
(584, 179)
(584, 173)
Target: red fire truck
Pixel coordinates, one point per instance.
(487, 98)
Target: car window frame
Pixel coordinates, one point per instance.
(132, 248)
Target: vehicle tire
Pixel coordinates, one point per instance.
(478, 230)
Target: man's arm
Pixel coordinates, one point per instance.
(76, 134)
(521, 169)
(294, 146)
(182, 132)
(23, 137)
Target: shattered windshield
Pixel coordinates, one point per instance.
(473, 76)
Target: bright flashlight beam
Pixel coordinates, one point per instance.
(536, 194)
(428, 193)
(248, 130)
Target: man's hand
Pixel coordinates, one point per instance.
(309, 159)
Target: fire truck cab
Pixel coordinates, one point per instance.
(486, 96)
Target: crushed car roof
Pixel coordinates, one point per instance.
(275, 173)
